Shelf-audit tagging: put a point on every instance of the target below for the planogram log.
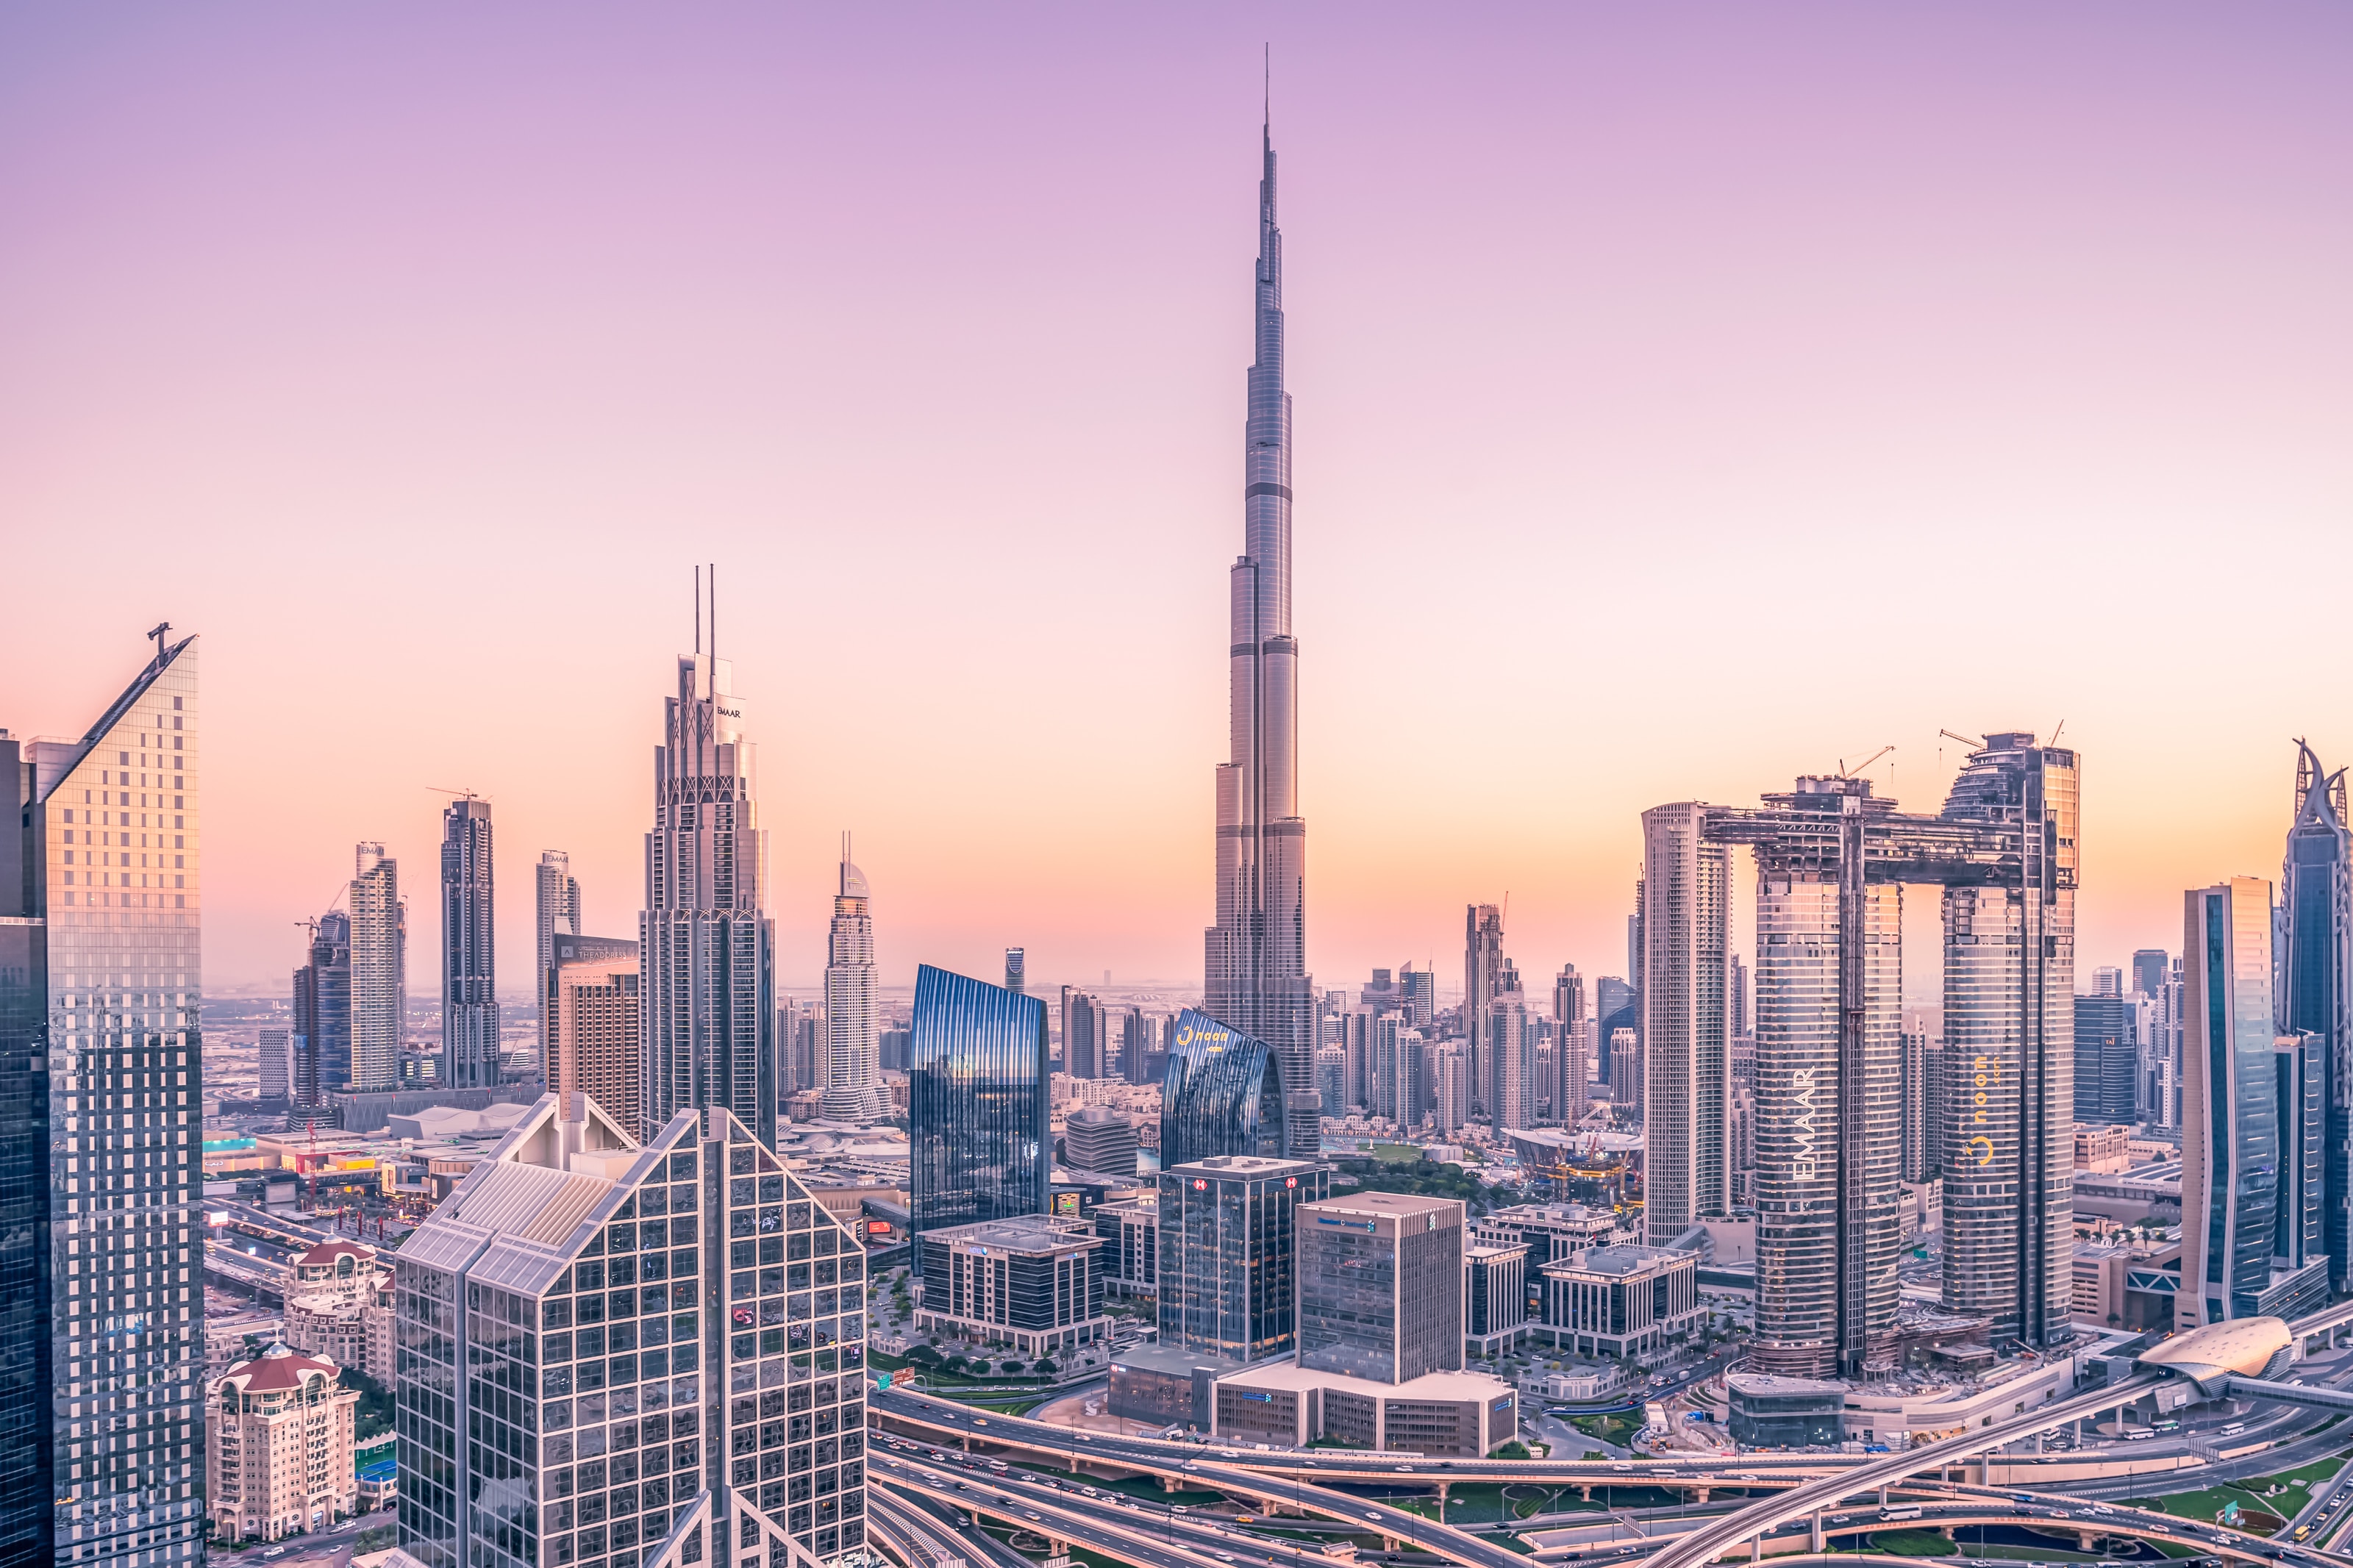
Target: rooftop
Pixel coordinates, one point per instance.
(326, 1252)
(1239, 1165)
(1621, 1260)
(1021, 1233)
(278, 1371)
(1447, 1386)
(1385, 1205)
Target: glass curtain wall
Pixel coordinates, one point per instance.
(978, 1103)
(1223, 1095)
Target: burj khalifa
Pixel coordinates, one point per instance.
(1255, 976)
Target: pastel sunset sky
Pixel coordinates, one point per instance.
(1688, 396)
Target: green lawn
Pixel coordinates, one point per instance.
(2202, 1505)
(1607, 1429)
(1912, 1543)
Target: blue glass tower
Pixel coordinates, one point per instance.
(978, 1103)
(1223, 1095)
(2315, 962)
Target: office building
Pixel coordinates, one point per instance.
(2316, 971)
(1451, 1101)
(1511, 1055)
(1626, 1071)
(275, 1065)
(323, 1016)
(978, 1103)
(1331, 1073)
(279, 1432)
(1685, 900)
(1100, 1139)
(1612, 1301)
(1440, 1415)
(1615, 1007)
(599, 1046)
(1017, 969)
(556, 908)
(1130, 1228)
(2151, 966)
(2251, 1237)
(101, 1060)
(707, 941)
(1400, 1071)
(374, 899)
(1494, 1299)
(853, 1019)
(1139, 1042)
(1229, 1254)
(1223, 1095)
(1255, 956)
(1420, 987)
(469, 1003)
(1482, 961)
(1572, 1049)
(571, 1392)
(1032, 1283)
(2107, 1056)
(1082, 1029)
(1736, 996)
(1380, 1286)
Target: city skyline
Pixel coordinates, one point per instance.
(1660, 289)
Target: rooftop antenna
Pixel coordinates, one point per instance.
(698, 612)
(714, 610)
(1267, 112)
(2054, 734)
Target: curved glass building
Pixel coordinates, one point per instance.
(978, 1103)
(1223, 1095)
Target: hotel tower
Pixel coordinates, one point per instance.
(1255, 977)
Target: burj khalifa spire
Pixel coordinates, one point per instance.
(1256, 971)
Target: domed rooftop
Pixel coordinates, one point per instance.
(2250, 1347)
(327, 1252)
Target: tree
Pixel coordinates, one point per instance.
(923, 1355)
(955, 1364)
(1515, 1449)
(1046, 1367)
(1012, 1366)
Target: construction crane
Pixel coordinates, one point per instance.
(1847, 773)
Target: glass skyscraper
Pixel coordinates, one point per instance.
(102, 1419)
(978, 1103)
(2315, 970)
(322, 1018)
(706, 940)
(608, 1354)
(1223, 1095)
(469, 1002)
(1228, 1252)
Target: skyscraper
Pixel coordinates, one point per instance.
(1614, 1009)
(1685, 898)
(1421, 988)
(1017, 969)
(979, 1107)
(2315, 973)
(1223, 1095)
(2107, 1056)
(1573, 1047)
(556, 908)
(1511, 1055)
(1452, 1100)
(1255, 957)
(1483, 959)
(599, 1019)
(1380, 1286)
(2251, 1237)
(469, 1000)
(707, 941)
(322, 1018)
(853, 1017)
(101, 1418)
(1082, 1032)
(1229, 1254)
(374, 900)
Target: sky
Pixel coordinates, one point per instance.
(1686, 397)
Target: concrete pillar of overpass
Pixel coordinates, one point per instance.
(1585, 1491)
(1699, 1497)
(1882, 1494)
(1756, 1549)
(1442, 1497)
(1818, 1543)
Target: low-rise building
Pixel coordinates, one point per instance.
(1613, 1302)
(278, 1447)
(1449, 1415)
(1549, 1231)
(1494, 1299)
(1773, 1412)
(2103, 1149)
(1031, 1282)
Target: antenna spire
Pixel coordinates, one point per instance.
(698, 611)
(1267, 111)
(714, 609)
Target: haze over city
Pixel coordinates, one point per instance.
(1688, 398)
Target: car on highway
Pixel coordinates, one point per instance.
(1374, 1516)
(1031, 1517)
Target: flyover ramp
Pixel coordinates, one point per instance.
(1706, 1544)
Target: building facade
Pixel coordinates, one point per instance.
(470, 999)
(1380, 1286)
(2315, 973)
(374, 900)
(599, 1048)
(979, 1109)
(2252, 1233)
(1033, 1283)
(2108, 1059)
(707, 941)
(853, 1008)
(610, 1351)
(323, 1016)
(1229, 1254)
(1686, 1083)
(1572, 1049)
(1100, 1139)
(1255, 957)
(1613, 1301)
(1511, 1056)
(101, 1063)
(555, 912)
(279, 1437)
(1223, 1095)
(1483, 964)
(1494, 1299)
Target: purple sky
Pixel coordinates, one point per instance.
(1687, 397)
